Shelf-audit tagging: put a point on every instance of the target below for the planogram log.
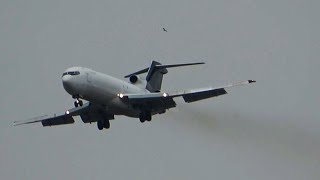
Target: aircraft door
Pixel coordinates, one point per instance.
(87, 84)
(88, 78)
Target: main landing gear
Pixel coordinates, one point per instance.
(145, 116)
(103, 124)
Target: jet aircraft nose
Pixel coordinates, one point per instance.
(71, 81)
(66, 79)
(67, 84)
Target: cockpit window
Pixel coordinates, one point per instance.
(72, 73)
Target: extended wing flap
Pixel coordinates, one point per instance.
(143, 97)
(59, 120)
(197, 96)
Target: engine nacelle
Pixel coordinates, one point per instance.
(134, 79)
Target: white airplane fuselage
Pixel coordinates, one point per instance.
(102, 89)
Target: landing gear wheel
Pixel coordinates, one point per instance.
(76, 104)
(148, 116)
(100, 124)
(142, 117)
(106, 124)
(145, 116)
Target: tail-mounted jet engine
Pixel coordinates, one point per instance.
(134, 79)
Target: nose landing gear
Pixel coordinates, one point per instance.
(78, 103)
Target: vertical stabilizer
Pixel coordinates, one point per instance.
(154, 77)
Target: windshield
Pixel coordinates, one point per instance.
(72, 73)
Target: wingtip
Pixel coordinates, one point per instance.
(251, 81)
(197, 63)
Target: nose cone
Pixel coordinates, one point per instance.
(67, 83)
(71, 80)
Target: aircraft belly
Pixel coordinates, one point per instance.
(108, 97)
(98, 96)
(117, 107)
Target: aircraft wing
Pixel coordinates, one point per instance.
(48, 120)
(166, 100)
(204, 93)
(88, 113)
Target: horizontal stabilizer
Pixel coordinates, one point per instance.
(160, 66)
(178, 65)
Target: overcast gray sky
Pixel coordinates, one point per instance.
(269, 130)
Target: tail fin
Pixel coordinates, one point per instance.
(155, 74)
(154, 77)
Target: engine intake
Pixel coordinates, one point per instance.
(133, 79)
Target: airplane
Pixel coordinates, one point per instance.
(108, 96)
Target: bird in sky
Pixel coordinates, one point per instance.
(164, 30)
